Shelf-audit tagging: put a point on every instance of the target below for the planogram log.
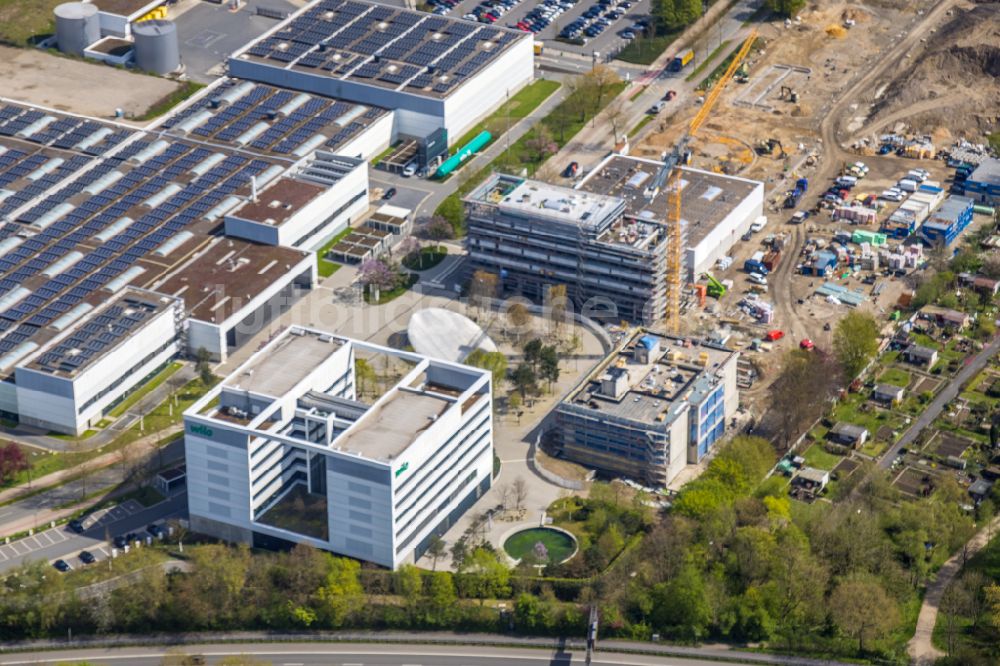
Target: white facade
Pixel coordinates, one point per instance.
(311, 225)
(379, 478)
(71, 403)
(719, 241)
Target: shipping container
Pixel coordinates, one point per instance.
(771, 260)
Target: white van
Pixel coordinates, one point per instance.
(410, 169)
(907, 185)
(847, 181)
(757, 278)
(758, 224)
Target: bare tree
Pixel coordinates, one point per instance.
(800, 393)
(483, 288)
(520, 490)
(616, 116)
(505, 493)
(557, 307)
(518, 319)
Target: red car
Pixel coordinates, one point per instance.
(807, 344)
(670, 95)
(775, 335)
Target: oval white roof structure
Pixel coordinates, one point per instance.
(446, 335)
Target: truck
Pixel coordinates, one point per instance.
(755, 264)
(794, 195)
(539, 48)
(715, 288)
(681, 60)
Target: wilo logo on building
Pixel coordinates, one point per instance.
(402, 468)
(203, 430)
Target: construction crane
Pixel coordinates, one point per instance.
(670, 174)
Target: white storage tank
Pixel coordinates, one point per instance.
(156, 48)
(77, 26)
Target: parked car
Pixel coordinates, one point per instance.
(154, 530)
(119, 542)
(757, 278)
(87, 557)
(389, 193)
(571, 169)
(75, 525)
(62, 565)
(775, 334)
(656, 108)
(807, 344)
(670, 95)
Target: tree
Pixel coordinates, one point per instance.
(616, 115)
(861, 609)
(541, 143)
(342, 591)
(495, 362)
(680, 606)
(597, 83)
(672, 15)
(524, 380)
(804, 374)
(855, 342)
(435, 551)
(378, 274)
(985, 329)
(518, 318)
(548, 366)
(557, 306)
(533, 352)
(484, 576)
(438, 228)
(203, 365)
(441, 597)
(410, 249)
(12, 462)
(519, 490)
(483, 288)
(514, 404)
(787, 8)
(452, 211)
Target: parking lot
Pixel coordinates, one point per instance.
(607, 43)
(99, 528)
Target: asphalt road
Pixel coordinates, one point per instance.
(74, 490)
(293, 654)
(66, 544)
(972, 367)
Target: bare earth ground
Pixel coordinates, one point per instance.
(74, 86)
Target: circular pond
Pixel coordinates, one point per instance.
(545, 544)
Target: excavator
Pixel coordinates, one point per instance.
(767, 148)
(715, 288)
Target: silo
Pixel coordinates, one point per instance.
(156, 48)
(77, 26)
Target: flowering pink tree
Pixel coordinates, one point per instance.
(378, 274)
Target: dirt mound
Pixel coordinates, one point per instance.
(955, 82)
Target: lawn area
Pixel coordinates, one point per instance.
(563, 123)
(639, 125)
(187, 89)
(559, 545)
(873, 448)
(704, 63)
(816, 457)
(517, 107)
(895, 376)
(644, 50)
(429, 258)
(20, 20)
(164, 415)
(925, 340)
(851, 410)
(392, 294)
(324, 266)
(87, 434)
(145, 389)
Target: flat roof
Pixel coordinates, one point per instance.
(221, 279)
(988, 172)
(280, 201)
(99, 332)
(707, 198)
(378, 45)
(675, 375)
(125, 7)
(289, 360)
(387, 428)
(539, 200)
(270, 120)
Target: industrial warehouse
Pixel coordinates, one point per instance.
(287, 450)
(535, 235)
(655, 405)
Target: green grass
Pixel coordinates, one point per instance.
(645, 50)
(526, 100)
(429, 258)
(638, 91)
(717, 73)
(21, 20)
(704, 63)
(563, 122)
(639, 125)
(895, 376)
(187, 89)
(559, 545)
(392, 294)
(324, 266)
(849, 410)
(145, 389)
(820, 459)
(384, 154)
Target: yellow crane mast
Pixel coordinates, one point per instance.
(670, 173)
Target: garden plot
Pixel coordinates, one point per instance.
(916, 482)
(846, 467)
(947, 444)
(926, 384)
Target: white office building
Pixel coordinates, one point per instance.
(290, 449)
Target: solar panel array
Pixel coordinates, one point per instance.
(109, 327)
(30, 264)
(285, 132)
(384, 46)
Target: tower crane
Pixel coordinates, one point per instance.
(670, 174)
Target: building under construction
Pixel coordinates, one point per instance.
(535, 235)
